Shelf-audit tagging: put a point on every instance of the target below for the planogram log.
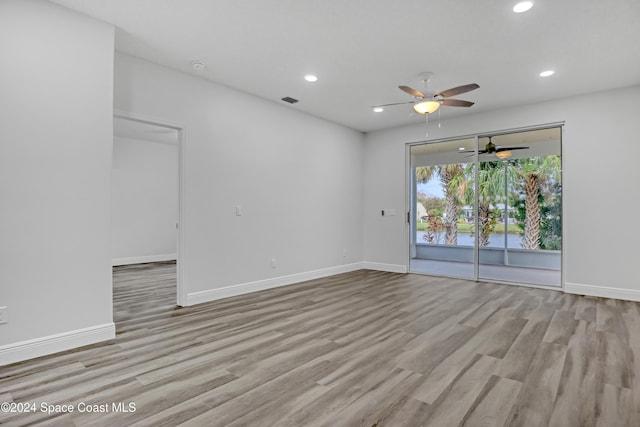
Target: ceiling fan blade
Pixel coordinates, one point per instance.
(480, 153)
(473, 151)
(395, 103)
(457, 90)
(456, 103)
(411, 91)
(511, 148)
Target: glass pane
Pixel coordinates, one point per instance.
(519, 207)
(442, 208)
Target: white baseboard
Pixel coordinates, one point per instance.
(260, 285)
(29, 349)
(143, 259)
(601, 291)
(391, 268)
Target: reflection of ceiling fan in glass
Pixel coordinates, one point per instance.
(502, 153)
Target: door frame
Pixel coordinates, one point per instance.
(410, 196)
(181, 284)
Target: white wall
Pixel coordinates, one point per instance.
(144, 201)
(56, 86)
(305, 185)
(600, 184)
(298, 180)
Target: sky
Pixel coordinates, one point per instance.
(431, 188)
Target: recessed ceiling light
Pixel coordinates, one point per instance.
(461, 148)
(522, 6)
(378, 109)
(311, 78)
(198, 65)
(547, 73)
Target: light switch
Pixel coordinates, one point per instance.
(238, 210)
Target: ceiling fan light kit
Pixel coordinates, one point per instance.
(430, 101)
(503, 155)
(522, 6)
(426, 107)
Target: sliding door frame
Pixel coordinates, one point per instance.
(410, 192)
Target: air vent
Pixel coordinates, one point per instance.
(289, 100)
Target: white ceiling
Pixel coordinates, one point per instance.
(363, 49)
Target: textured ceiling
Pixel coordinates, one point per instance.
(363, 49)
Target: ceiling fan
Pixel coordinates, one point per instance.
(502, 153)
(429, 101)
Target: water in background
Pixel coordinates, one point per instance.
(496, 240)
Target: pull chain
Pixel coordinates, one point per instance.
(426, 119)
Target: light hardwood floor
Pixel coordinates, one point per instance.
(358, 349)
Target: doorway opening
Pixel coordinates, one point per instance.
(147, 180)
(488, 207)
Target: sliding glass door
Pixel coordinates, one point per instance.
(490, 209)
(442, 213)
(519, 208)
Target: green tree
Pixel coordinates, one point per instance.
(549, 199)
(551, 218)
(491, 176)
(535, 175)
(450, 176)
(433, 205)
(434, 229)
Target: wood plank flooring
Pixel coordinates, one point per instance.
(358, 349)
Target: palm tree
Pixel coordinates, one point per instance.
(490, 188)
(491, 178)
(533, 172)
(450, 177)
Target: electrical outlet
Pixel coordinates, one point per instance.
(274, 263)
(4, 318)
(344, 252)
